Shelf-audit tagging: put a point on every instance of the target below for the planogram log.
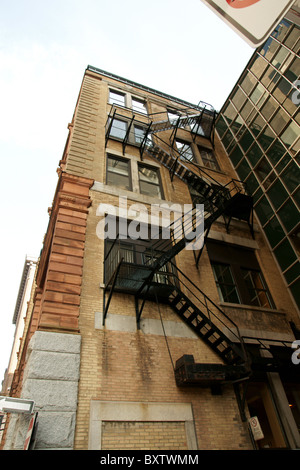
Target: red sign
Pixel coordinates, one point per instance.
(254, 20)
(241, 3)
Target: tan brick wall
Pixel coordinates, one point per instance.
(143, 436)
(133, 366)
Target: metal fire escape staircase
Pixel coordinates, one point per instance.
(187, 300)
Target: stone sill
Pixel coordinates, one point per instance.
(252, 307)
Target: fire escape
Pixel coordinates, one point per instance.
(157, 277)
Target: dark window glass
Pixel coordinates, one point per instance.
(236, 155)
(291, 176)
(254, 154)
(296, 196)
(277, 194)
(227, 139)
(221, 126)
(243, 169)
(263, 210)
(225, 283)
(295, 289)
(266, 138)
(246, 140)
(258, 292)
(276, 152)
(285, 254)
(252, 184)
(237, 125)
(274, 231)
(257, 125)
(263, 169)
(237, 275)
(293, 273)
(289, 215)
(208, 158)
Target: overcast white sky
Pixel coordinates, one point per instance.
(178, 47)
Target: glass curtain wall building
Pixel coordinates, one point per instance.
(259, 126)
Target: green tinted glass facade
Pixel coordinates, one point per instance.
(259, 126)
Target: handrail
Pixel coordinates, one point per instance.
(209, 300)
(200, 170)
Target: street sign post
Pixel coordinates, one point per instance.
(254, 20)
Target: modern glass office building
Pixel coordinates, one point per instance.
(259, 126)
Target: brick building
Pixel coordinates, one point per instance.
(138, 340)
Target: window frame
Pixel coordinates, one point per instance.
(159, 184)
(214, 160)
(184, 143)
(125, 160)
(117, 137)
(116, 92)
(240, 259)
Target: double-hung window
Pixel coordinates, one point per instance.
(117, 98)
(149, 180)
(238, 277)
(139, 105)
(256, 287)
(118, 129)
(185, 150)
(118, 172)
(208, 158)
(226, 286)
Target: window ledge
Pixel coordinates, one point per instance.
(252, 307)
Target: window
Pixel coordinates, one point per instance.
(225, 283)
(118, 129)
(139, 134)
(149, 181)
(116, 98)
(137, 255)
(185, 150)
(118, 172)
(139, 106)
(256, 287)
(125, 99)
(208, 158)
(238, 277)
